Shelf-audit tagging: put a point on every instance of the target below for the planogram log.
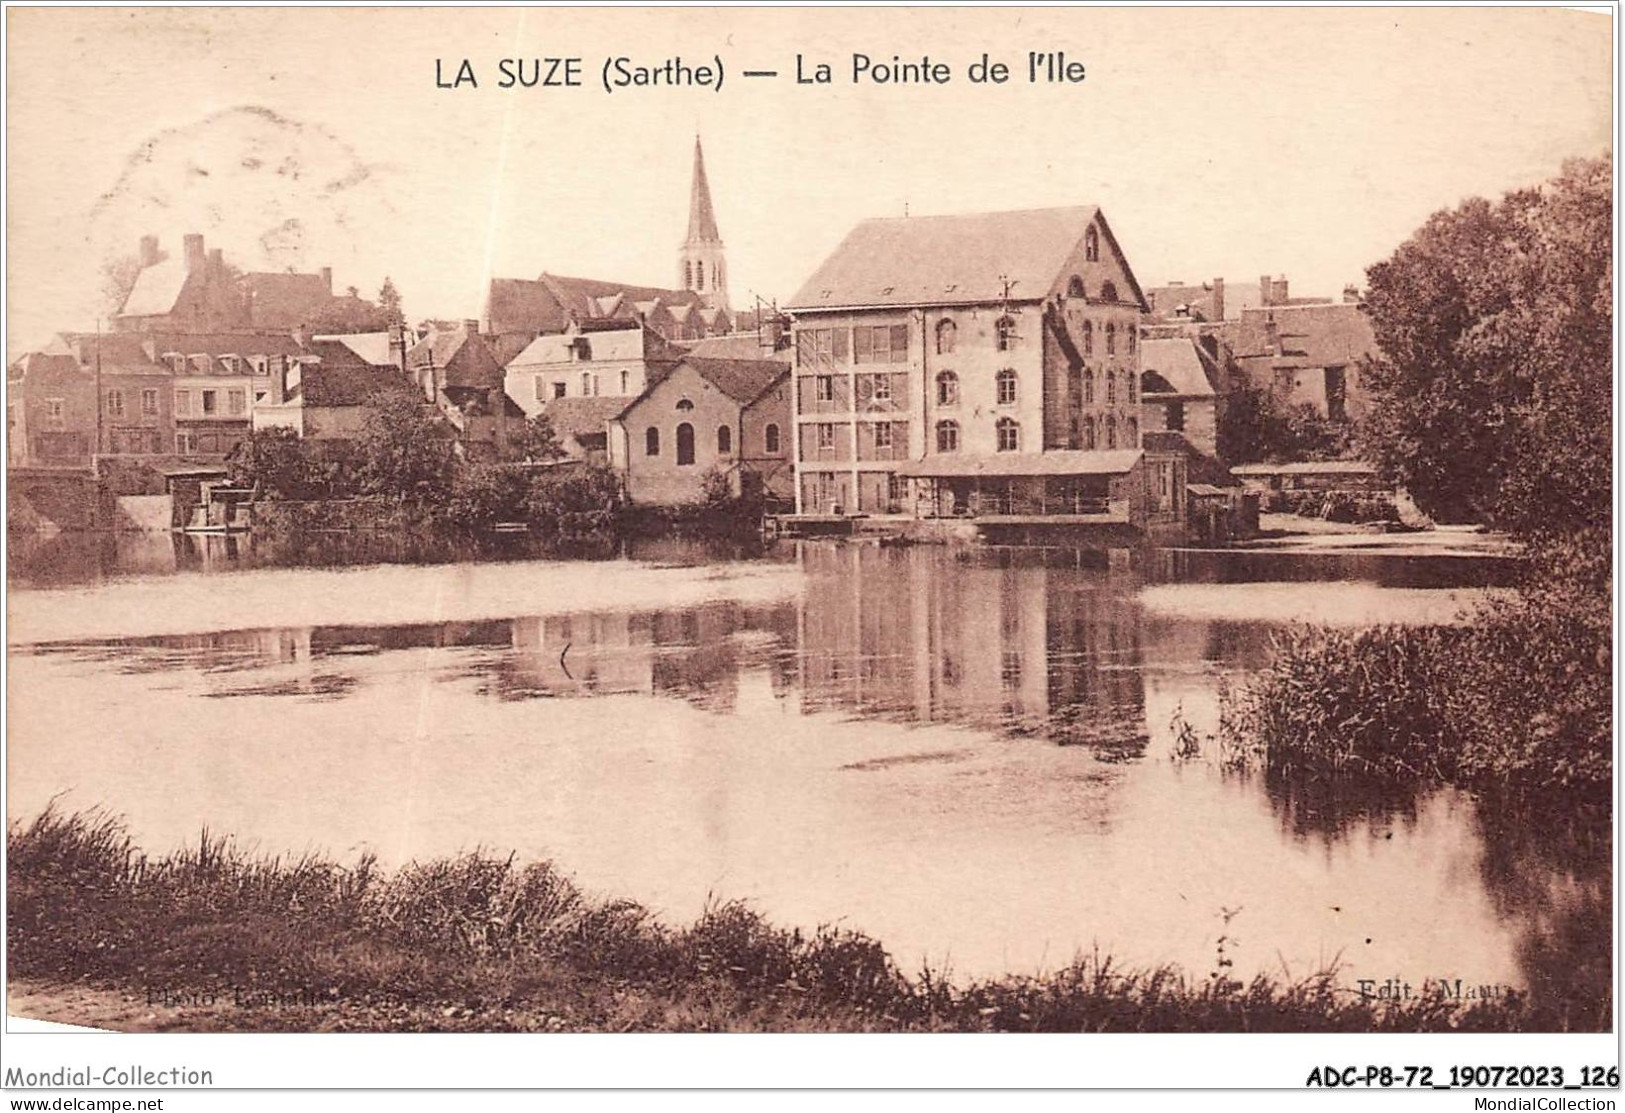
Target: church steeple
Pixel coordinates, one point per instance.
(700, 263)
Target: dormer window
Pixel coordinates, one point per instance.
(199, 363)
(176, 363)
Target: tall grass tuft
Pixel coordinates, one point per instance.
(477, 942)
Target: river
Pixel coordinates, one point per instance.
(966, 753)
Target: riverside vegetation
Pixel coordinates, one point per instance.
(479, 942)
(1490, 403)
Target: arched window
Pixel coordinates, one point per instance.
(1074, 288)
(947, 388)
(1009, 435)
(684, 405)
(1128, 385)
(688, 276)
(947, 337)
(1129, 335)
(1111, 389)
(947, 436)
(1089, 432)
(1004, 333)
(1088, 338)
(699, 277)
(770, 439)
(1089, 385)
(1005, 385)
(1074, 436)
(1091, 245)
(685, 444)
(1111, 338)
(725, 440)
(651, 441)
(1131, 433)
(1111, 431)
(1108, 292)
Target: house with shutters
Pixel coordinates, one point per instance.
(982, 365)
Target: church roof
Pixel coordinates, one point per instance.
(702, 219)
(948, 260)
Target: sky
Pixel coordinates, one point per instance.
(1232, 142)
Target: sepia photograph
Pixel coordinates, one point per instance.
(811, 520)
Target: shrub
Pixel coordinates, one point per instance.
(573, 501)
(482, 495)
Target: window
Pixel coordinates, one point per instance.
(685, 444)
(1128, 339)
(1089, 433)
(824, 388)
(1074, 435)
(947, 337)
(54, 409)
(586, 384)
(1111, 338)
(651, 441)
(826, 437)
(819, 346)
(115, 403)
(947, 388)
(559, 389)
(1004, 333)
(725, 440)
(1005, 385)
(947, 436)
(1088, 338)
(1091, 245)
(684, 406)
(883, 435)
(770, 439)
(1009, 435)
(183, 403)
(1128, 384)
(1111, 389)
(880, 344)
(1131, 433)
(1108, 292)
(201, 363)
(625, 380)
(236, 403)
(184, 444)
(541, 389)
(260, 364)
(897, 490)
(1111, 431)
(177, 363)
(699, 284)
(1089, 385)
(149, 403)
(1074, 287)
(688, 276)
(1175, 419)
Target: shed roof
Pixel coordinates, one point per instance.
(1181, 366)
(1010, 464)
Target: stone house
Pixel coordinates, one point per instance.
(621, 361)
(970, 365)
(707, 417)
(1308, 352)
(1182, 387)
(457, 371)
(328, 395)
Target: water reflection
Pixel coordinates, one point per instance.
(965, 752)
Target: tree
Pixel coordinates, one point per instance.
(1254, 428)
(118, 279)
(1491, 396)
(273, 460)
(389, 300)
(404, 449)
(536, 441)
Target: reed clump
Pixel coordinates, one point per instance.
(480, 942)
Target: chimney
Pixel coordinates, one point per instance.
(217, 262)
(327, 278)
(192, 252)
(1264, 290)
(1278, 294)
(302, 335)
(471, 326)
(149, 251)
(279, 376)
(1218, 299)
(1351, 294)
(397, 345)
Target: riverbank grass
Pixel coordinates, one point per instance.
(480, 942)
